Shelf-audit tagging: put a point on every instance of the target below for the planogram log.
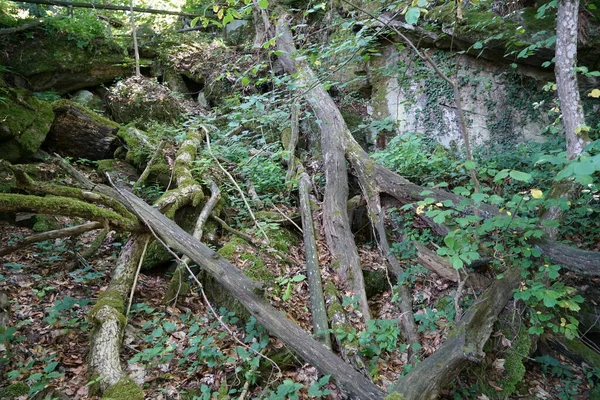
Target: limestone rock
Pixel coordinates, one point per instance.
(24, 123)
(81, 133)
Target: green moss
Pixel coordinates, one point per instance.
(25, 126)
(178, 286)
(64, 103)
(282, 238)
(230, 248)
(14, 390)
(110, 298)
(125, 389)
(44, 223)
(52, 205)
(581, 350)
(160, 173)
(394, 396)
(138, 153)
(514, 370)
(257, 270)
(104, 166)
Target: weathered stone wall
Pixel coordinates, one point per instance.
(501, 104)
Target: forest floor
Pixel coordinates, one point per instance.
(183, 348)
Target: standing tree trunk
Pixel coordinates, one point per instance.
(566, 77)
(573, 119)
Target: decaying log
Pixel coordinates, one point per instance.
(109, 320)
(248, 293)
(313, 272)
(99, 6)
(464, 346)
(335, 217)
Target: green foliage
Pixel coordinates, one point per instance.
(82, 28)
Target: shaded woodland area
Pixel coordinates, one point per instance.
(297, 199)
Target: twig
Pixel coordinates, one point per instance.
(149, 165)
(137, 274)
(234, 231)
(55, 234)
(288, 218)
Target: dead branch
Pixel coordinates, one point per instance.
(50, 235)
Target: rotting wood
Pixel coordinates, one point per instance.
(313, 272)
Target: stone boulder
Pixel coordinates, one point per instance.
(24, 123)
(81, 133)
(62, 65)
(145, 100)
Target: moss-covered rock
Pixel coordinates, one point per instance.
(145, 100)
(125, 389)
(45, 223)
(81, 133)
(62, 65)
(139, 146)
(24, 123)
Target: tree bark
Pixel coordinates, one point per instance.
(313, 272)
(333, 128)
(567, 28)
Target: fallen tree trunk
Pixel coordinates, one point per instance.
(317, 303)
(109, 320)
(55, 234)
(465, 345)
(249, 294)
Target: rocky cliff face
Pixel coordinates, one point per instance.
(500, 103)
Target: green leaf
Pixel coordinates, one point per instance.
(264, 4)
(549, 301)
(245, 80)
(478, 45)
(298, 278)
(412, 15)
(50, 367)
(520, 176)
(457, 263)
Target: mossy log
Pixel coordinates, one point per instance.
(81, 133)
(109, 320)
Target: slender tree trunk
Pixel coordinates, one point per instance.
(567, 27)
(135, 43)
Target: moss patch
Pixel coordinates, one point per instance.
(25, 126)
(44, 223)
(14, 390)
(110, 298)
(125, 389)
